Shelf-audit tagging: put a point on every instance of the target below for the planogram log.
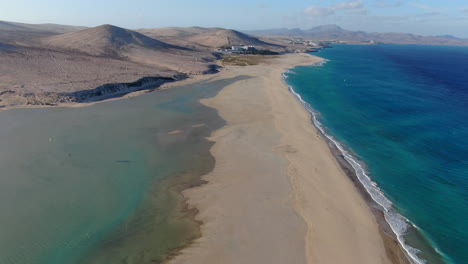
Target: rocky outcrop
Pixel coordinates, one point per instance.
(119, 89)
(99, 93)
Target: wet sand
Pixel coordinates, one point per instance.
(277, 193)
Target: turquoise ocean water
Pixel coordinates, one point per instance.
(399, 113)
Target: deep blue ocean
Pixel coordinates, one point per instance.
(401, 113)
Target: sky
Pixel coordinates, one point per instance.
(429, 17)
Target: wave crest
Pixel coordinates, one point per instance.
(398, 223)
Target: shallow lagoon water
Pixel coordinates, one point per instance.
(101, 183)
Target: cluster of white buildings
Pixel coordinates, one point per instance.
(305, 42)
(239, 49)
(242, 48)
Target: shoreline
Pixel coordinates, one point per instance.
(394, 249)
(215, 244)
(198, 210)
(132, 92)
(390, 237)
(152, 220)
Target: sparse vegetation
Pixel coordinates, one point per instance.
(245, 60)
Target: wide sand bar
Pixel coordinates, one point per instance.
(277, 194)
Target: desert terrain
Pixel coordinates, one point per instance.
(48, 64)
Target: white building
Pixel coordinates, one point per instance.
(237, 47)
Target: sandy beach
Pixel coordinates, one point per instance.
(221, 134)
(277, 194)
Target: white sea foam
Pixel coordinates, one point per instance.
(398, 223)
(321, 63)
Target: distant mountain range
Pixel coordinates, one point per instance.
(41, 62)
(336, 33)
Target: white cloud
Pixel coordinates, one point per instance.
(350, 6)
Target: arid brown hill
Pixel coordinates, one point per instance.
(105, 40)
(120, 43)
(178, 32)
(206, 38)
(227, 37)
(53, 28)
(41, 67)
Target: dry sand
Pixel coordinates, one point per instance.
(277, 194)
